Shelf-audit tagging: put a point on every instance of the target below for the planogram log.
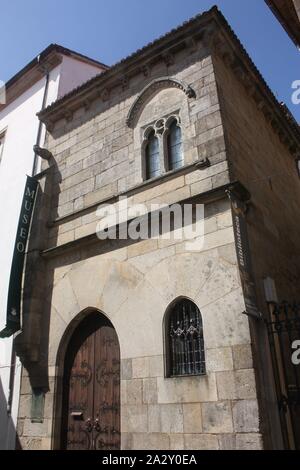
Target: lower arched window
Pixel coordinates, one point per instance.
(184, 340)
(152, 156)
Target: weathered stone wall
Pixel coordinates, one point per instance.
(263, 164)
(97, 156)
(217, 411)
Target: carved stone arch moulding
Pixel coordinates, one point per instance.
(156, 85)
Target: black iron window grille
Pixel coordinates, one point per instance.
(185, 342)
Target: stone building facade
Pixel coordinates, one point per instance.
(237, 142)
(50, 75)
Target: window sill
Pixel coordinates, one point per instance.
(183, 169)
(186, 376)
(199, 164)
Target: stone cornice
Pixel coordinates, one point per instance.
(213, 32)
(186, 37)
(227, 46)
(286, 14)
(206, 197)
(198, 165)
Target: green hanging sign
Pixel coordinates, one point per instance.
(13, 314)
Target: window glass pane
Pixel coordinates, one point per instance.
(152, 157)
(175, 147)
(186, 342)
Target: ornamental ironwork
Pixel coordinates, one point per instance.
(104, 375)
(84, 376)
(185, 340)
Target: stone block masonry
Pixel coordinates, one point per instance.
(97, 139)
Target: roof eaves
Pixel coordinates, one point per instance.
(43, 56)
(294, 33)
(281, 107)
(214, 14)
(113, 69)
(69, 52)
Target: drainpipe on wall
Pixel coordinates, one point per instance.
(34, 171)
(40, 128)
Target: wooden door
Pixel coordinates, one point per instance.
(91, 396)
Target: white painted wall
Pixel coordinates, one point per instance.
(74, 73)
(20, 122)
(21, 125)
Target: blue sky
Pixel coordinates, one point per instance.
(110, 30)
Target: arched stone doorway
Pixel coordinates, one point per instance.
(90, 414)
